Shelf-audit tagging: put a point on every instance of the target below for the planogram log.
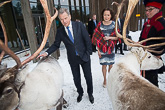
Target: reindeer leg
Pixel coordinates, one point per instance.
(59, 107)
(65, 103)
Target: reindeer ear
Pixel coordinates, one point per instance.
(3, 68)
(138, 51)
(135, 50)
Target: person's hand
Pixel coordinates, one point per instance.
(158, 56)
(106, 38)
(99, 54)
(42, 55)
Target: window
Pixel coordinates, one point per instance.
(82, 2)
(72, 2)
(56, 2)
(32, 0)
(77, 11)
(87, 2)
(64, 2)
(77, 2)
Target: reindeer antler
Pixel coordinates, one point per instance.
(47, 29)
(129, 42)
(49, 21)
(117, 16)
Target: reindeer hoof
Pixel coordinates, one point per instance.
(65, 104)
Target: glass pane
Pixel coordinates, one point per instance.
(87, 14)
(78, 9)
(36, 8)
(15, 2)
(77, 2)
(72, 2)
(87, 2)
(65, 7)
(64, 2)
(82, 9)
(78, 13)
(33, 0)
(39, 24)
(82, 2)
(73, 12)
(56, 6)
(87, 10)
(33, 6)
(56, 2)
(17, 7)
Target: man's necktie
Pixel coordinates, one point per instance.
(70, 37)
(94, 22)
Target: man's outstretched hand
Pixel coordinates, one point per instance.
(42, 55)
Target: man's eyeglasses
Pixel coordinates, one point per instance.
(149, 10)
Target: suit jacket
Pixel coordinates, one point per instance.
(91, 27)
(82, 42)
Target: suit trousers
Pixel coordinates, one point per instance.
(93, 48)
(121, 48)
(152, 76)
(86, 67)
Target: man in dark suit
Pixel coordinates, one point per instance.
(120, 24)
(91, 27)
(127, 31)
(78, 45)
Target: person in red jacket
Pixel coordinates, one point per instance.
(154, 27)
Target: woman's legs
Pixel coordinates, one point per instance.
(104, 70)
(110, 66)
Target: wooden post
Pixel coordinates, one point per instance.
(53, 29)
(29, 25)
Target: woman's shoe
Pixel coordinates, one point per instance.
(104, 85)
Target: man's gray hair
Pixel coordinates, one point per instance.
(62, 10)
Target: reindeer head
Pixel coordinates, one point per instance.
(9, 98)
(146, 59)
(9, 94)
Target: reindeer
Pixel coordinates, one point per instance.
(40, 89)
(127, 89)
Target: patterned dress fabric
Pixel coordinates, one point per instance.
(107, 59)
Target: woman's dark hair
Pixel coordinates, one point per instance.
(111, 12)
